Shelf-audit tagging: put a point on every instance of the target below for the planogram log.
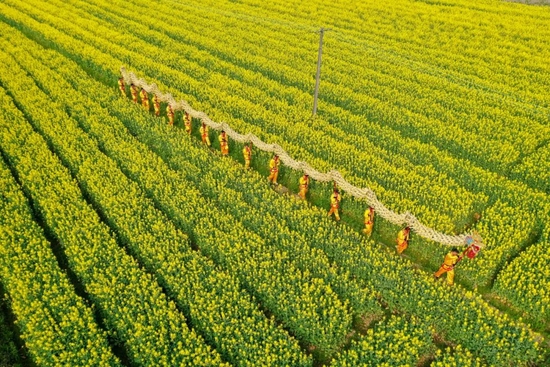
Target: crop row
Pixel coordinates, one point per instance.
(400, 286)
(420, 28)
(495, 224)
(355, 239)
(48, 311)
(383, 16)
(387, 356)
(101, 94)
(535, 169)
(347, 81)
(362, 169)
(438, 217)
(344, 84)
(405, 290)
(531, 118)
(345, 248)
(232, 321)
(305, 303)
(494, 255)
(131, 303)
(495, 228)
(394, 342)
(160, 69)
(458, 357)
(482, 271)
(525, 281)
(395, 142)
(504, 232)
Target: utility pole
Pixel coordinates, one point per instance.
(318, 78)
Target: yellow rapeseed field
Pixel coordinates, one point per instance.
(179, 256)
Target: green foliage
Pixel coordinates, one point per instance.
(459, 357)
(414, 149)
(131, 303)
(525, 280)
(48, 312)
(216, 305)
(393, 342)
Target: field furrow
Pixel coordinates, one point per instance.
(225, 320)
(130, 301)
(128, 241)
(49, 313)
(349, 252)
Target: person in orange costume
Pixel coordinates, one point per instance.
(134, 91)
(122, 86)
(369, 221)
(247, 153)
(187, 123)
(335, 199)
(156, 104)
(403, 239)
(144, 98)
(170, 114)
(224, 145)
(274, 169)
(204, 134)
(451, 259)
(304, 185)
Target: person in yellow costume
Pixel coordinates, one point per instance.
(156, 104)
(304, 185)
(451, 259)
(144, 98)
(369, 221)
(204, 134)
(247, 153)
(335, 199)
(170, 115)
(134, 91)
(187, 123)
(274, 169)
(403, 239)
(224, 144)
(122, 86)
